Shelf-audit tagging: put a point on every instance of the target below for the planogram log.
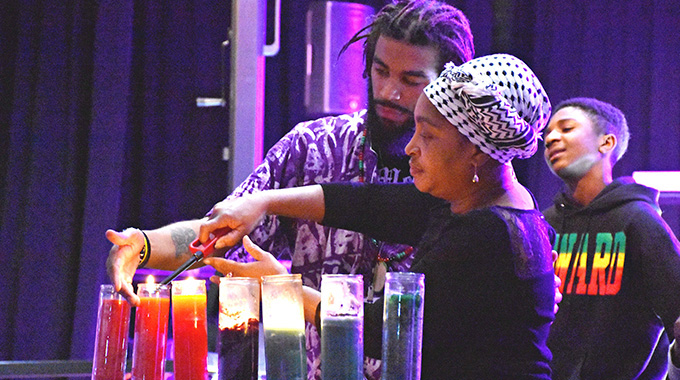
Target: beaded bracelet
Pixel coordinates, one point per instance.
(145, 253)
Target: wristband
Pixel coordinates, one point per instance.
(145, 253)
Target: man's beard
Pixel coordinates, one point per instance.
(390, 139)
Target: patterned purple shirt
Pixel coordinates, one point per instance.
(320, 151)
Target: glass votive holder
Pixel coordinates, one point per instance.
(113, 328)
(342, 327)
(402, 325)
(151, 332)
(284, 327)
(239, 327)
(189, 329)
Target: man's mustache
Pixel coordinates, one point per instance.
(387, 103)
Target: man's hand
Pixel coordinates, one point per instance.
(123, 261)
(265, 265)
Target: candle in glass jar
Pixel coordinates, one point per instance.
(284, 327)
(403, 326)
(151, 328)
(342, 327)
(189, 329)
(238, 328)
(110, 347)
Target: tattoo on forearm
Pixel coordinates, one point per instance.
(182, 237)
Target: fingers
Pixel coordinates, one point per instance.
(215, 279)
(229, 239)
(117, 238)
(258, 253)
(558, 295)
(235, 268)
(225, 266)
(558, 299)
(237, 216)
(122, 262)
(558, 283)
(125, 240)
(128, 292)
(115, 276)
(264, 265)
(121, 284)
(206, 228)
(210, 228)
(268, 263)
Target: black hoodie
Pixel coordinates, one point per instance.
(619, 263)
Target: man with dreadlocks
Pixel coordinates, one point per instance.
(405, 47)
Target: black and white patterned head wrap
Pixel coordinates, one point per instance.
(495, 101)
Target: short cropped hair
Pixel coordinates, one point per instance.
(420, 23)
(606, 118)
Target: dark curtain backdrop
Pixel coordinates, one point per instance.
(99, 127)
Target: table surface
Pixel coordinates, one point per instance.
(35, 369)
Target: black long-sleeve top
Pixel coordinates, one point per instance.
(489, 285)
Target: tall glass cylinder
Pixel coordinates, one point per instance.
(151, 332)
(342, 327)
(113, 328)
(284, 327)
(403, 326)
(239, 327)
(189, 329)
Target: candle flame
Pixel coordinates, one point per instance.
(150, 280)
(284, 314)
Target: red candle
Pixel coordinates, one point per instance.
(151, 328)
(110, 347)
(189, 329)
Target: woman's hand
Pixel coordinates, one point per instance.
(265, 265)
(239, 215)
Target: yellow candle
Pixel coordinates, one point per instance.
(189, 329)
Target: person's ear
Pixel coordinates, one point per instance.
(607, 143)
(480, 158)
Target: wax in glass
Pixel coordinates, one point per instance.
(402, 326)
(151, 332)
(110, 345)
(239, 321)
(342, 327)
(284, 327)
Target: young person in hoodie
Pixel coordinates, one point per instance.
(619, 262)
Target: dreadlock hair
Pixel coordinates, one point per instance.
(420, 23)
(606, 118)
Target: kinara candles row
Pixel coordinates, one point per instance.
(341, 319)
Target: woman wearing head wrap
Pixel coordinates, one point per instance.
(483, 247)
